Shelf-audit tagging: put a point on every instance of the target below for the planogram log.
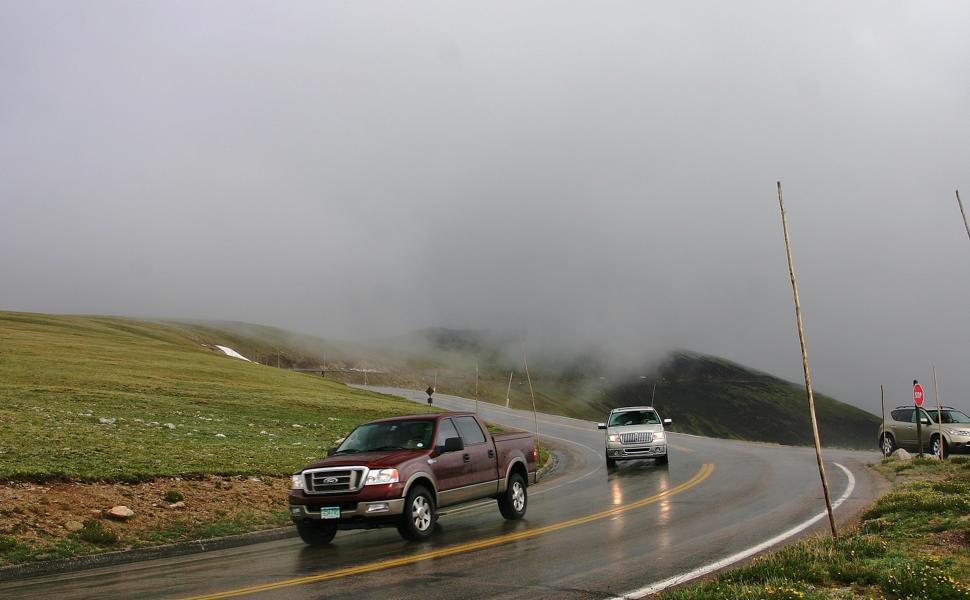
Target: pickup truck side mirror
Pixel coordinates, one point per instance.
(452, 444)
(668, 421)
(331, 451)
(601, 425)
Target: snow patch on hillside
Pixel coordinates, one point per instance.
(230, 352)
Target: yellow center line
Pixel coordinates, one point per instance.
(703, 473)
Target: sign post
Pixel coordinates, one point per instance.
(429, 392)
(918, 401)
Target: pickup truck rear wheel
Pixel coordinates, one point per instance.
(514, 501)
(417, 522)
(317, 534)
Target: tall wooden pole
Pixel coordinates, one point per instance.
(653, 394)
(882, 401)
(963, 212)
(535, 414)
(805, 368)
(508, 392)
(476, 387)
(939, 412)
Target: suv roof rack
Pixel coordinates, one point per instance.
(926, 408)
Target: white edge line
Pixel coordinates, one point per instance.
(653, 588)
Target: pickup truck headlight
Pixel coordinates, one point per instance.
(613, 437)
(379, 476)
(296, 482)
(658, 436)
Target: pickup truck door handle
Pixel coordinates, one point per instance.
(491, 453)
(466, 458)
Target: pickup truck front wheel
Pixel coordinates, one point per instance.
(513, 502)
(317, 534)
(417, 522)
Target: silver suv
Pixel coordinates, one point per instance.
(900, 430)
(635, 432)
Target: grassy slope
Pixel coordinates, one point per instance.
(60, 374)
(704, 395)
(912, 544)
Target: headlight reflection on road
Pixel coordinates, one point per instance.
(616, 491)
(665, 511)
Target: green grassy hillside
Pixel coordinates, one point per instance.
(704, 395)
(117, 399)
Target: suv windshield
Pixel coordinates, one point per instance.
(391, 435)
(950, 416)
(634, 417)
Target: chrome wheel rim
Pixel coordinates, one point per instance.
(518, 496)
(887, 446)
(936, 447)
(421, 513)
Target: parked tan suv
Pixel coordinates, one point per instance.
(635, 432)
(900, 431)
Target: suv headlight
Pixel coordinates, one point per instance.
(959, 432)
(613, 437)
(379, 476)
(297, 483)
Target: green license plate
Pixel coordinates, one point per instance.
(330, 512)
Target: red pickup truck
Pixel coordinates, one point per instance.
(400, 471)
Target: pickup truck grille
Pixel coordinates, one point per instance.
(641, 437)
(336, 480)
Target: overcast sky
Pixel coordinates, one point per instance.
(589, 171)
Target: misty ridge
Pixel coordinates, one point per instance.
(705, 395)
(600, 183)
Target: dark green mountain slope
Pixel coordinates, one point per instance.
(710, 396)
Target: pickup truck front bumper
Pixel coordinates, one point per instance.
(363, 510)
(620, 452)
(372, 504)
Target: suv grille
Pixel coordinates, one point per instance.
(640, 437)
(339, 480)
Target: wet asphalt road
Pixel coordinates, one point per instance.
(588, 533)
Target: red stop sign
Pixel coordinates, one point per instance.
(918, 394)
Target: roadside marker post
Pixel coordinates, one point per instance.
(939, 412)
(508, 392)
(882, 402)
(532, 393)
(963, 212)
(805, 367)
(429, 392)
(918, 401)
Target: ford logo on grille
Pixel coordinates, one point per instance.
(330, 480)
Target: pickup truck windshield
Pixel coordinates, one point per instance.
(391, 435)
(634, 417)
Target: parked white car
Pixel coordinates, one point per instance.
(634, 432)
